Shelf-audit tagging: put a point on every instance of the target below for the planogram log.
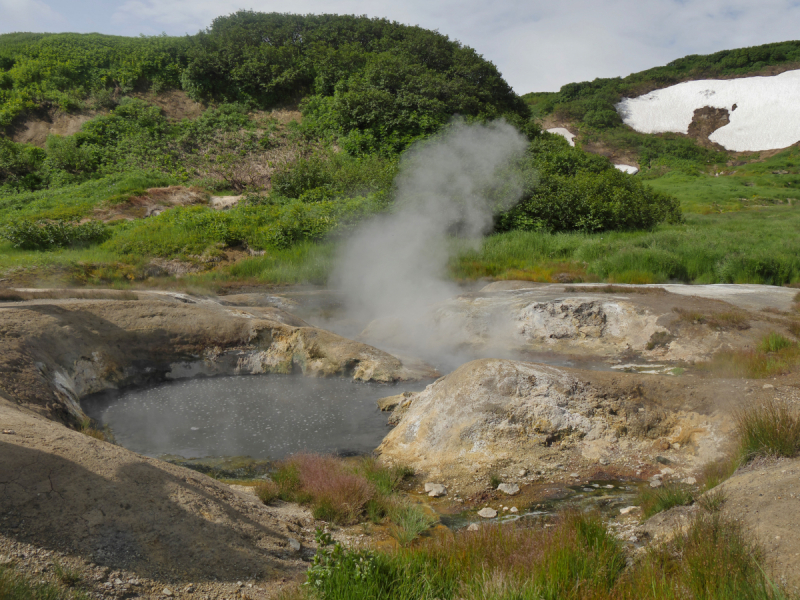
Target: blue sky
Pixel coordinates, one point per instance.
(538, 45)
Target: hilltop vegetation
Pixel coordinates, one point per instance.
(307, 118)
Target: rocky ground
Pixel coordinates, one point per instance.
(131, 526)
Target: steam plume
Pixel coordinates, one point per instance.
(394, 266)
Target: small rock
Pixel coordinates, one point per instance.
(294, 546)
(661, 445)
(766, 386)
(667, 471)
(628, 509)
(4, 560)
(658, 476)
(522, 472)
(604, 461)
(108, 584)
(435, 490)
(167, 592)
(9, 432)
(663, 460)
(189, 589)
(690, 481)
(487, 513)
(512, 489)
(240, 584)
(514, 509)
(676, 446)
(473, 527)
(505, 508)
(118, 581)
(656, 483)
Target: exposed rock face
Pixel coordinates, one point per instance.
(486, 411)
(53, 353)
(490, 414)
(706, 121)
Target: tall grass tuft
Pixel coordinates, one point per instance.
(335, 493)
(775, 355)
(408, 522)
(771, 429)
(660, 499)
(774, 342)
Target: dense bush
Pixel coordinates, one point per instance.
(576, 191)
(46, 235)
(386, 83)
(20, 167)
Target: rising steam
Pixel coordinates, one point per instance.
(394, 266)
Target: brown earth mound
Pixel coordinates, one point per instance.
(153, 202)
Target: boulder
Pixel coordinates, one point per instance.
(435, 490)
(511, 489)
(485, 412)
(487, 513)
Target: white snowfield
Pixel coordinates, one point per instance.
(563, 132)
(630, 169)
(765, 118)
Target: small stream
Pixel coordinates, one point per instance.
(264, 417)
(603, 497)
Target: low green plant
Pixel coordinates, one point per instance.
(267, 491)
(712, 501)
(68, 577)
(90, 427)
(494, 480)
(774, 342)
(669, 495)
(408, 521)
(768, 429)
(16, 586)
(46, 235)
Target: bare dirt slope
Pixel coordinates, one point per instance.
(765, 497)
(66, 492)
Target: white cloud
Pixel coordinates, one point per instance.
(29, 15)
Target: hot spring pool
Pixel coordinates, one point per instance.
(268, 416)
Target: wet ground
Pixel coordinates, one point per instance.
(600, 496)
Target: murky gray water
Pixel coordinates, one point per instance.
(268, 416)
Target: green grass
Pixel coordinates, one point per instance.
(573, 559)
(775, 355)
(73, 202)
(408, 521)
(16, 586)
(656, 500)
(770, 429)
(739, 188)
(759, 246)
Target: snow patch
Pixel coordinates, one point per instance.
(630, 169)
(764, 117)
(563, 132)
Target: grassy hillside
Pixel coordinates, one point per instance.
(307, 119)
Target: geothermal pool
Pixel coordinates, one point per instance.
(266, 417)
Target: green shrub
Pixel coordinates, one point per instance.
(576, 191)
(774, 342)
(46, 235)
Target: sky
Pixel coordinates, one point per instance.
(538, 45)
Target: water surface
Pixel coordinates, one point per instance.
(267, 416)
